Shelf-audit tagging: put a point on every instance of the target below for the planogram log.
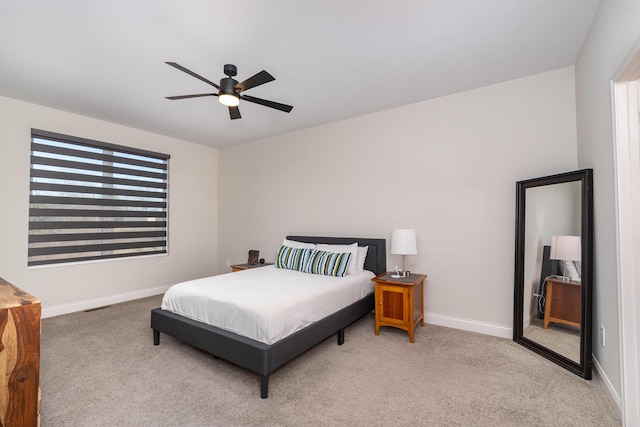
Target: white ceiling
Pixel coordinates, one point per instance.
(332, 59)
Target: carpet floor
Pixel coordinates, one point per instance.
(100, 368)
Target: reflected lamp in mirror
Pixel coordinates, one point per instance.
(403, 242)
(567, 250)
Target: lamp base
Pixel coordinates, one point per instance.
(401, 273)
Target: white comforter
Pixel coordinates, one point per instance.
(266, 303)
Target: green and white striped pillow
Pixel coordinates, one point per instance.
(328, 263)
(293, 258)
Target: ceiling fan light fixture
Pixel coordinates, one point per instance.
(229, 100)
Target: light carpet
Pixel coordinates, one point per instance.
(100, 368)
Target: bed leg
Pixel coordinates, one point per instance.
(341, 336)
(156, 337)
(264, 386)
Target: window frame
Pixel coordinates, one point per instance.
(91, 200)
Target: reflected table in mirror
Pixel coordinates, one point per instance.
(562, 302)
(559, 330)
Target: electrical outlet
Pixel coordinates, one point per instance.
(602, 336)
(228, 263)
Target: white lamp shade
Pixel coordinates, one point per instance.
(403, 242)
(566, 248)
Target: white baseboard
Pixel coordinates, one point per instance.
(469, 325)
(100, 302)
(608, 387)
(430, 318)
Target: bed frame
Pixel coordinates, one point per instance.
(263, 358)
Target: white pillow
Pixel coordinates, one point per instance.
(298, 245)
(353, 249)
(362, 256)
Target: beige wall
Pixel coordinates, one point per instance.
(612, 37)
(446, 167)
(192, 214)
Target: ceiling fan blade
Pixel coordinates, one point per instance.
(173, 98)
(272, 104)
(191, 73)
(256, 80)
(234, 113)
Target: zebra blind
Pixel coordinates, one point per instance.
(92, 200)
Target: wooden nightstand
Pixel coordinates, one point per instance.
(399, 302)
(240, 267)
(562, 302)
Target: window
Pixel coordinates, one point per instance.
(92, 200)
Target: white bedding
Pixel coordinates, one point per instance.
(266, 303)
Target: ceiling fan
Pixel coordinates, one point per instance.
(230, 91)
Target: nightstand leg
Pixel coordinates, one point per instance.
(422, 302)
(547, 304)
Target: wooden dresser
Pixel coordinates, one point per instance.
(19, 356)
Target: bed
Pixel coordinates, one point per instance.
(260, 357)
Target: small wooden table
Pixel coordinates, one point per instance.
(562, 302)
(399, 302)
(240, 267)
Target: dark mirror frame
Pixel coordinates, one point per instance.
(585, 176)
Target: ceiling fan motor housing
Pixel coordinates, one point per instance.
(230, 70)
(227, 85)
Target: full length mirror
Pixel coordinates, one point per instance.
(553, 271)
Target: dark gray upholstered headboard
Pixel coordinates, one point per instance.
(376, 255)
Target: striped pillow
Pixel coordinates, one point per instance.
(293, 258)
(328, 263)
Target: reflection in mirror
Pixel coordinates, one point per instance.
(552, 305)
(553, 216)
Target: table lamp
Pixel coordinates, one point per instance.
(567, 249)
(403, 242)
